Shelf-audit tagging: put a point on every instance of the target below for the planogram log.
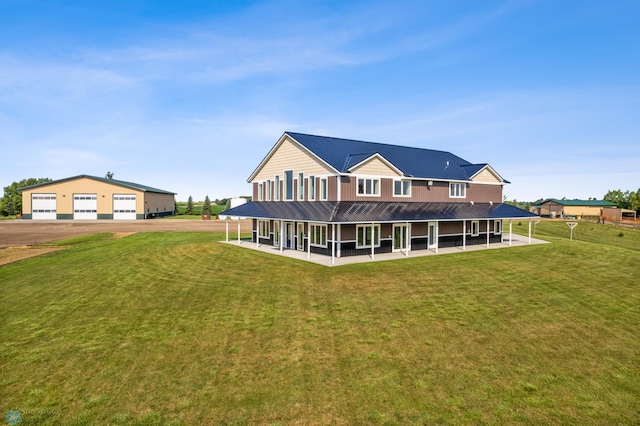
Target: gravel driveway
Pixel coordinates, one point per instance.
(28, 232)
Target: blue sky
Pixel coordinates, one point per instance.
(189, 96)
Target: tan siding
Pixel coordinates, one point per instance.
(581, 211)
(289, 156)
(486, 176)
(65, 190)
(374, 167)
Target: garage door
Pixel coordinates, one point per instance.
(85, 206)
(43, 206)
(124, 207)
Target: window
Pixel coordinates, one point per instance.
(402, 188)
(263, 228)
(301, 186)
(312, 187)
(288, 185)
(318, 235)
(457, 190)
(268, 190)
(276, 232)
(323, 189)
(368, 186)
(364, 236)
(497, 227)
(475, 228)
(260, 192)
(276, 190)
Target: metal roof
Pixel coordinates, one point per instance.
(581, 203)
(367, 211)
(341, 154)
(131, 185)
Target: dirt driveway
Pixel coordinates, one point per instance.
(28, 232)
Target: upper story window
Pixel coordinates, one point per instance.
(368, 186)
(323, 189)
(312, 188)
(276, 188)
(301, 186)
(402, 188)
(268, 190)
(457, 190)
(260, 188)
(288, 185)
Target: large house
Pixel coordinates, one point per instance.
(87, 197)
(341, 197)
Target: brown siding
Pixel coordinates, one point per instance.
(332, 190)
(348, 232)
(445, 228)
(484, 193)
(419, 229)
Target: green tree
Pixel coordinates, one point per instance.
(11, 201)
(206, 206)
(189, 209)
(618, 197)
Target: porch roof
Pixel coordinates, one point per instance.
(368, 211)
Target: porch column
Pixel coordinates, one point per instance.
(464, 235)
(487, 233)
(407, 239)
(437, 237)
(239, 230)
(226, 223)
(333, 243)
(510, 231)
(339, 240)
(282, 236)
(373, 249)
(501, 231)
(308, 240)
(257, 232)
(529, 231)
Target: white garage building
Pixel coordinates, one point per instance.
(87, 197)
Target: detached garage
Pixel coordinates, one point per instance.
(87, 197)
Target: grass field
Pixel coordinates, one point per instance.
(175, 328)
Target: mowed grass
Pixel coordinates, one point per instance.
(176, 328)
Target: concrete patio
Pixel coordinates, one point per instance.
(517, 240)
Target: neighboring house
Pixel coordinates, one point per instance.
(574, 208)
(90, 198)
(343, 197)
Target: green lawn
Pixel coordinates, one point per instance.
(175, 328)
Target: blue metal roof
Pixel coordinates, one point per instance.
(341, 154)
(368, 211)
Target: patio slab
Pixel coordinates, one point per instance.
(517, 240)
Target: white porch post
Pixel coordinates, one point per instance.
(333, 243)
(238, 230)
(437, 231)
(407, 240)
(510, 231)
(257, 232)
(487, 233)
(282, 236)
(308, 240)
(464, 235)
(529, 231)
(339, 240)
(501, 231)
(226, 222)
(372, 242)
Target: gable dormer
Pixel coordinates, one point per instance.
(372, 164)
